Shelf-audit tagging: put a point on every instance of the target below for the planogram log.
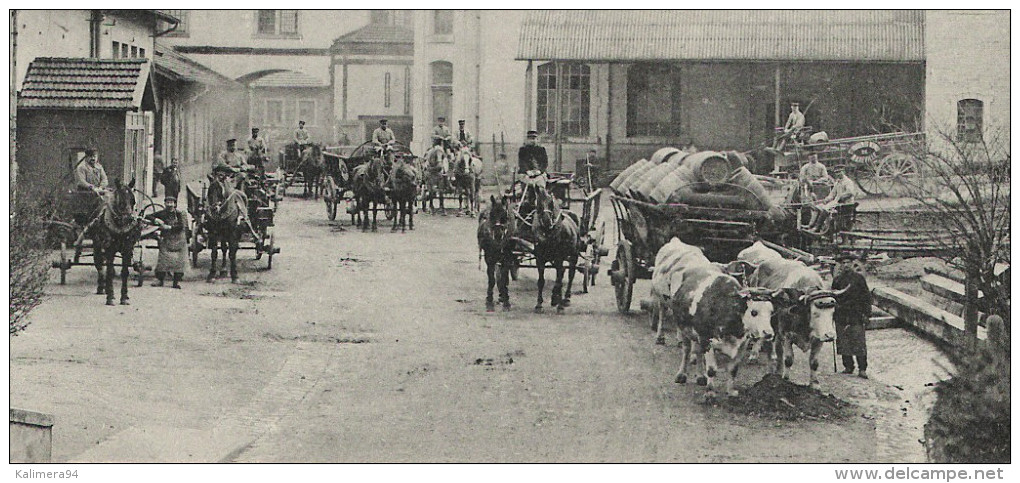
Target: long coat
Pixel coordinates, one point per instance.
(851, 315)
(173, 243)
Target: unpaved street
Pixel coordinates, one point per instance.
(375, 347)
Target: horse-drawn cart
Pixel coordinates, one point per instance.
(76, 213)
(878, 163)
(592, 234)
(256, 221)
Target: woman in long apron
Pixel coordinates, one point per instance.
(173, 243)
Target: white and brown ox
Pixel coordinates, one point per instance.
(746, 263)
(712, 312)
(803, 313)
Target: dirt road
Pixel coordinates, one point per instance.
(375, 347)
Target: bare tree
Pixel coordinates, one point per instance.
(963, 189)
(29, 270)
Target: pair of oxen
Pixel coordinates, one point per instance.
(782, 301)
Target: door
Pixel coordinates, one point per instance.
(137, 150)
(442, 105)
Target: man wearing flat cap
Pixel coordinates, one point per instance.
(853, 310)
(383, 134)
(89, 174)
(173, 242)
(464, 136)
(532, 156)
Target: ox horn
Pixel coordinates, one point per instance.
(837, 293)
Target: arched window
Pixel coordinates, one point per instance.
(563, 98)
(969, 120)
(653, 100)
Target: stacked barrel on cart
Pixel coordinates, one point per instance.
(707, 199)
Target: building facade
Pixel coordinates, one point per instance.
(625, 83)
(289, 61)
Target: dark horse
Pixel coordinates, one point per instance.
(497, 229)
(369, 181)
(404, 187)
(115, 230)
(557, 239)
(312, 166)
(226, 214)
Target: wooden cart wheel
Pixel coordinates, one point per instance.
(600, 238)
(391, 210)
(624, 282)
(515, 269)
(330, 197)
(867, 178)
(895, 171)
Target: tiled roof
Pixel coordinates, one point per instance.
(288, 78)
(377, 33)
(58, 83)
(629, 35)
(177, 66)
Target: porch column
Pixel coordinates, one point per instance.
(529, 87)
(778, 116)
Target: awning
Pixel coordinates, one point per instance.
(769, 35)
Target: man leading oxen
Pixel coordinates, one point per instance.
(803, 311)
(713, 313)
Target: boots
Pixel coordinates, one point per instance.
(177, 279)
(159, 279)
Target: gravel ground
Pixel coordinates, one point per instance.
(375, 347)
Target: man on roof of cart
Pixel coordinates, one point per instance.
(794, 123)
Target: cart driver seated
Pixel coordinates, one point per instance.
(845, 191)
(814, 180)
(89, 175)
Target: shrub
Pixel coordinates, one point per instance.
(29, 270)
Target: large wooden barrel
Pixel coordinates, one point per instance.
(672, 180)
(663, 155)
(620, 178)
(643, 188)
(635, 175)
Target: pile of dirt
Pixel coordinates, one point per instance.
(773, 397)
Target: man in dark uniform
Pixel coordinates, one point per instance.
(171, 179)
(531, 156)
(464, 136)
(853, 309)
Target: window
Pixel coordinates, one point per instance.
(391, 17)
(306, 111)
(116, 49)
(182, 26)
(386, 90)
(442, 22)
(653, 100)
(380, 17)
(277, 22)
(134, 52)
(124, 51)
(274, 113)
(407, 90)
(969, 120)
(141, 53)
(563, 98)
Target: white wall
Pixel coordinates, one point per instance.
(51, 33)
(237, 28)
(968, 57)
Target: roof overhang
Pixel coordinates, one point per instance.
(723, 35)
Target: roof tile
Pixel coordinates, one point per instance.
(62, 83)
